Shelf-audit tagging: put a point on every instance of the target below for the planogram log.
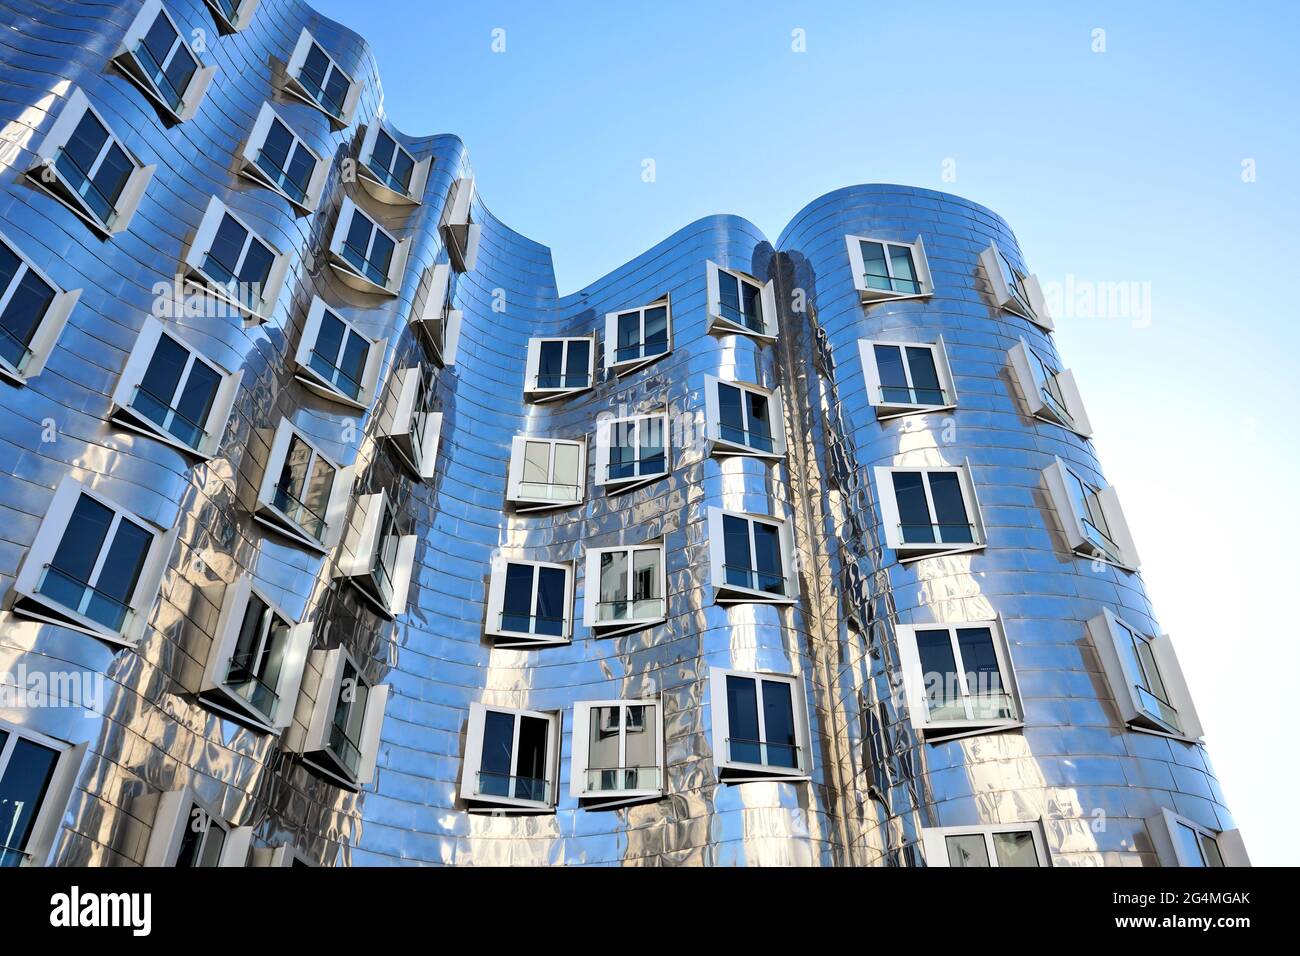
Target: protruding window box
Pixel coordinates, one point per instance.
(760, 726)
(441, 323)
(1090, 517)
(314, 77)
(232, 15)
(512, 760)
(33, 312)
(155, 55)
(744, 419)
(82, 164)
(751, 559)
(904, 378)
(459, 230)
(529, 603)
(171, 391)
(255, 667)
(632, 451)
(189, 832)
(276, 157)
(410, 423)
(1013, 290)
(387, 170)
(618, 753)
(230, 261)
(335, 360)
(94, 566)
(929, 511)
(1145, 678)
(1180, 841)
(546, 473)
(739, 303)
(559, 368)
(37, 774)
(377, 557)
(1051, 393)
(304, 493)
(1006, 844)
(365, 255)
(626, 589)
(341, 740)
(884, 269)
(636, 337)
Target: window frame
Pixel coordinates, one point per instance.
(732, 771)
(318, 383)
(1057, 477)
(892, 521)
(313, 743)
(726, 593)
(128, 61)
(349, 274)
(627, 366)
(1025, 299)
(934, 840)
(371, 181)
(1170, 851)
(857, 265)
(888, 409)
(1109, 632)
(48, 819)
(266, 512)
(605, 426)
(200, 247)
(416, 444)
(294, 86)
(515, 482)
(580, 759)
(361, 557)
(244, 11)
(496, 605)
(434, 314)
(1071, 414)
(591, 590)
(252, 148)
(719, 323)
(172, 811)
(460, 233)
(532, 369)
(473, 761)
(724, 447)
(48, 328)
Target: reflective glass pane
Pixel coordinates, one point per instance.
(603, 748)
(495, 765)
(641, 745)
(579, 360)
(614, 603)
(778, 724)
(530, 763)
(893, 378)
(967, 850)
(913, 509)
(517, 599)
(1015, 849)
(979, 660)
(742, 720)
(23, 785)
(735, 552)
(874, 266)
(939, 673)
(950, 507)
(925, 377)
(767, 558)
(551, 610)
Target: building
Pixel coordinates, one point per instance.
(333, 534)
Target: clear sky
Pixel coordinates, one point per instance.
(1167, 160)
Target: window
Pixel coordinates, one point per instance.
(171, 391)
(528, 603)
(155, 55)
(233, 262)
(36, 779)
(304, 493)
(1013, 290)
(1145, 678)
(255, 666)
(631, 451)
(888, 270)
(365, 255)
(1091, 517)
(751, 558)
(276, 157)
(94, 566)
(439, 320)
(743, 419)
(1050, 392)
(958, 678)
(907, 377)
(618, 752)
(1183, 842)
(512, 759)
(88, 169)
(559, 367)
(740, 303)
(876, 751)
(33, 311)
(388, 171)
(928, 511)
(460, 231)
(1018, 844)
(408, 419)
(282, 856)
(760, 726)
(313, 77)
(639, 336)
(342, 739)
(232, 15)
(335, 360)
(378, 556)
(626, 588)
(546, 473)
(188, 832)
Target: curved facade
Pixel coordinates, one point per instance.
(1070, 759)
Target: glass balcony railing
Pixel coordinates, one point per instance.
(173, 97)
(386, 178)
(630, 609)
(739, 317)
(518, 622)
(937, 533)
(298, 512)
(83, 598)
(167, 417)
(546, 380)
(912, 395)
(884, 283)
(549, 491)
(332, 105)
(1159, 709)
(763, 753)
(755, 580)
(281, 178)
(242, 679)
(247, 294)
(637, 468)
(104, 208)
(11, 857)
(972, 707)
(759, 439)
(13, 350)
(376, 273)
(492, 784)
(639, 350)
(616, 779)
(324, 367)
(344, 748)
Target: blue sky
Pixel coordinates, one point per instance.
(1117, 166)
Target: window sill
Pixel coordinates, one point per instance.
(872, 296)
(206, 285)
(540, 396)
(907, 553)
(315, 383)
(753, 773)
(323, 763)
(295, 89)
(628, 366)
(543, 504)
(602, 629)
(128, 417)
(82, 212)
(721, 448)
(354, 279)
(617, 485)
(277, 520)
(522, 640)
(254, 172)
(734, 594)
(382, 192)
(485, 804)
(722, 325)
(239, 710)
(888, 411)
(38, 608)
(937, 733)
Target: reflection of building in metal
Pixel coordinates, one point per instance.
(747, 553)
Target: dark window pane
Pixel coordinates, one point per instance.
(656, 330)
(158, 385)
(939, 672)
(83, 147)
(760, 422)
(778, 724)
(22, 789)
(735, 551)
(900, 257)
(495, 767)
(767, 559)
(257, 267)
(126, 556)
(113, 172)
(913, 510)
(729, 294)
(731, 416)
(629, 336)
(517, 601)
(742, 720)
(530, 764)
(873, 264)
(579, 360)
(980, 661)
(550, 601)
(950, 507)
(925, 378)
(226, 247)
(83, 539)
(23, 314)
(893, 379)
(550, 365)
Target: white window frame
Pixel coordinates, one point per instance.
(283, 856)
(336, 508)
(479, 802)
(415, 433)
(317, 382)
(1027, 300)
(536, 393)
(294, 86)
(579, 782)
(126, 60)
(515, 493)
(176, 810)
(48, 820)
(253, 146)
(629, 365)
(460, 232)
(932, 729)
(718, 445)
(494, 626)
(435, 315)
(605, 427)
(244, 10)
(347, 272)
(888, 408)
(725, 593)
(913, 551)
(26, 600)
(48, 329)
(731, 771)
(216, 685)
(1163, 825)
(858, 266)
(1057, 478)
(934, 841)
(591, 591)
(201, 245)
(371, 182)
(137, 363)
(359, 558)
(46, 174)
(767, 297)
(1108, 634)
(313, 741)
(1065, 409)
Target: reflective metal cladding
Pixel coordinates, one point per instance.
(334, 534)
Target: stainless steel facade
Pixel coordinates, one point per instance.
(1094, 784)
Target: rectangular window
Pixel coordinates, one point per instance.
(983, 846)
(335, 360)
(1050, 392)
(365, 255)
(187, 832)
(276, 157)
(958, 678)
(752, 558)
(625, 588)
(884, 269)
(638, 336)
(155, 55)
(232, 261)
(1091, 517)
(929, 511)
(618, 752)
(388, 171)
(304, 492)
(434, 313)
(743, 419)
(559, 367)
(460, 231)
(546, 473)
(760, 726)
(740, 303)
(379, 555)
(342, 739)
(1013, 290)
(906, 377)
(29, 787)
(631, 451)
(1145, 678)
(314, 78)
(529, 603)
(33, 311)
(511, 759)
(232, 15)
(409, 419)
(1180, 841)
